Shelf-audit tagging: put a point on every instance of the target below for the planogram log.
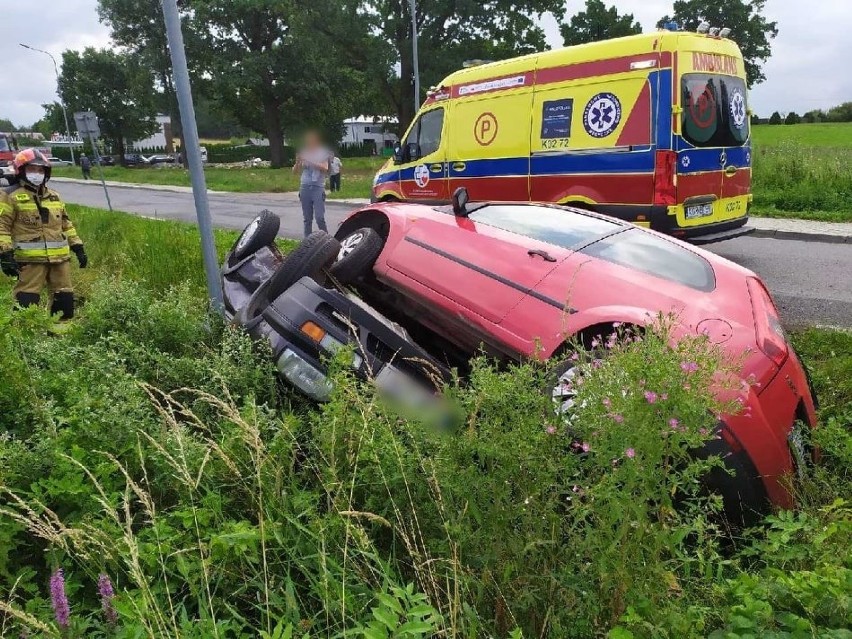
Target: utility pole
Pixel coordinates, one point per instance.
(59, 93)
(192, 148)
(415, 60)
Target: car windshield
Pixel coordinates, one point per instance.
(656, 256)
(715, 113)
(4, 144)
(549, 224)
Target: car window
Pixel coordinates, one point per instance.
(4, 144)
(426, 132)
(656, 256)
(715, 113)
(544, 223)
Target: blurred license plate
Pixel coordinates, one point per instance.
(699, 210)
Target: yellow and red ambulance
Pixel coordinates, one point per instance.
(651, 128)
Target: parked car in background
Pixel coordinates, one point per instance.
(105, 160)
(134, 159)
(55, 161)
(160, 159)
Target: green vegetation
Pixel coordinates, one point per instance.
(803, 170)
(152, 445)
(356, 183)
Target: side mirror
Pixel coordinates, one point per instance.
(412, 152)
(460, 200)
(397, 154)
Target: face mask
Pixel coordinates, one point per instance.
(36, 179)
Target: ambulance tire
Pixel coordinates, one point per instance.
(358, 252)
(312, 257)
(260, 232)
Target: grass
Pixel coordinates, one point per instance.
(356, 182)
(152, 445)
(801, 171)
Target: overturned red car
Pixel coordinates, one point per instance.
(517, 278)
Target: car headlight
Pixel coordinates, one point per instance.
(304, 375)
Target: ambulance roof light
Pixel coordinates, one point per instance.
(704, 27)
(714, 31)
(725, 32)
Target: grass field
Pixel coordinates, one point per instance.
(802, 171)
(149, 454)
(356, 182)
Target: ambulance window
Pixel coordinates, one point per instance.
(426, 132)
(714, 110)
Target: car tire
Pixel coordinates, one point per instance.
(260, 232)
(359, 250)
(316, 253)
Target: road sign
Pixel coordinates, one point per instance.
(87, 124)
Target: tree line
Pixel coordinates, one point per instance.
(276, 66)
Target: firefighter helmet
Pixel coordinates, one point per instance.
(31, 157)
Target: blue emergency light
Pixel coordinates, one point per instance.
(671, 26)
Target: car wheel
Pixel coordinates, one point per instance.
(315, 254)
(358, 252)
(260, 232)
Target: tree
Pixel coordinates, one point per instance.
(53, 120)
(840, 113)
(597, 23)
(450, 32)
(775, 118)
(815, 115)
(117, 87)
(792, 118)
(7, 126)
(749, 28)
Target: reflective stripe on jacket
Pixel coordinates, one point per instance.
(36, 225)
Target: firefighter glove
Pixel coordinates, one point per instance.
(80, 252)
(8, 264)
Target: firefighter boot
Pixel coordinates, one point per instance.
(27, 299)
(63, 302)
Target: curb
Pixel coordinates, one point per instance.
(131, 185)
(802, 236)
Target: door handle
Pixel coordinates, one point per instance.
(547, 257)
(723, 159)
(459, 166)
(730, 170)
(436, 168)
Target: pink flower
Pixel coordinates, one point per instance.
(664, 396)
(551, 430)
(59, 600)
(574, 357)
(630, 453)
(674, 423)
(607, 402)
(650, 397)
(586, 448)
(595, 342)
(107, 595)
(616, 324)
(617, 418)
(688, 367)
(610, 342)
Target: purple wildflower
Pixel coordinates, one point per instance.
(617, 418)
(664, 396)
(688, 367)
(574, 357)
(650, 397)
(674, 423)
(607, 402)
(586, 448)
(551, 430)
(611, 340)
(107, 595)
(630, 453)
(595, 342)
(58, 599)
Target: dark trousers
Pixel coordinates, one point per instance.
(334, 182)
(87, 174)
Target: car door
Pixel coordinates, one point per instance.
(483, 263)
(423, 166)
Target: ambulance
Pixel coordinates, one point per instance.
(650, 128)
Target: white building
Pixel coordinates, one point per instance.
(370, 129)
(160, 138)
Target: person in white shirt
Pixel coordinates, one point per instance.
(334, 166)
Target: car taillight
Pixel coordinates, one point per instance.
(664, 178)
(767, 323)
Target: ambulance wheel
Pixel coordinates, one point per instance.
(312, 257)
(260, 232)
(358, 252)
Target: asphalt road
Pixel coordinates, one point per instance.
(810, 281)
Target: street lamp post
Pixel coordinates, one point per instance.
(59, 93)
(414, 55)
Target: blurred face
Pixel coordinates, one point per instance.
(312, 140)
(35, 175)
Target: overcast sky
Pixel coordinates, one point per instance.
(808, 68)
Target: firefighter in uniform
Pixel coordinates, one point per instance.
(36, 236)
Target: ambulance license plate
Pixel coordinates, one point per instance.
(699, 210)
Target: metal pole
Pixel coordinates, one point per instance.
(100, 168)
(192, 149)
(415, 60)
(61, 99)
